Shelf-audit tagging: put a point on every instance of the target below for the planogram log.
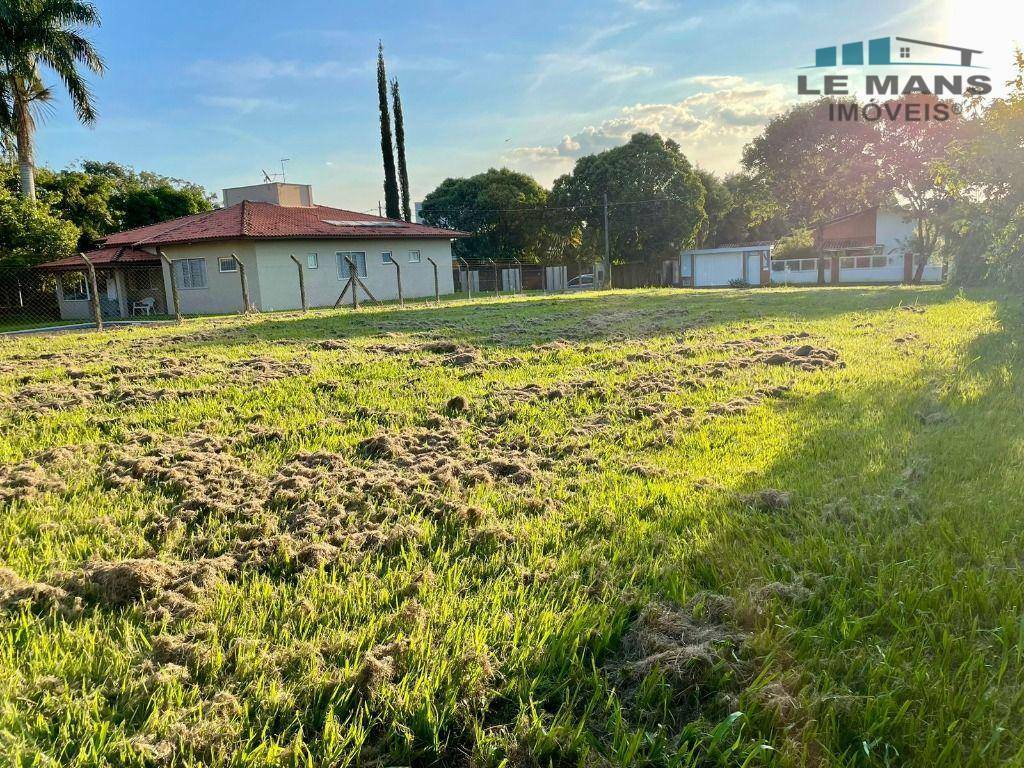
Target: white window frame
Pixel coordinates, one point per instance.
(386, 257)
(312, 261)
(358, 257)
(231, 260)
(415, 257)
(179, 273)
(77, 296)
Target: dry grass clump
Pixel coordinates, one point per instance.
(17, 593)
(694, 648)
(167, 589)
(259, 369)
(768, 500)
(41, 474)
(805, 357)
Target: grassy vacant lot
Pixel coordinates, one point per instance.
(663, 528)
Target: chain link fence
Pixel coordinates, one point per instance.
(98, 290)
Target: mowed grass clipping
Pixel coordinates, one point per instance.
(645, 528)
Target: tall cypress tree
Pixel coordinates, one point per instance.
(388, 152)
(403, 170)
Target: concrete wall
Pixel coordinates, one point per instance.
(279, 278)
(223, 291)
(894, 232)
(292, 195)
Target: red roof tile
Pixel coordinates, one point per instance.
(102, 257)
(266, 221)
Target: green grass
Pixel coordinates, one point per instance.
(503, 622)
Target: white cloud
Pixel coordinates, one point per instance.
(711, 125)
(243, 105)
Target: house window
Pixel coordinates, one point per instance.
(74, 286)
(190, 273)
(904, 52)
(227, 264)
(385, 258)
(357, 257)
(312, 261)
(414, 257)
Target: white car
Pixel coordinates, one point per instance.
(580, 283)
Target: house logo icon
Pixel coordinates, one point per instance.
(895, 51)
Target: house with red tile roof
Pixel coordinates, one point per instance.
(266, 228)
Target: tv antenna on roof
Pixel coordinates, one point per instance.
(268, 178)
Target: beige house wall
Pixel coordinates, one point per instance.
(223, 291)
(279, 278)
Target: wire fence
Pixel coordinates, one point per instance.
(83, 292)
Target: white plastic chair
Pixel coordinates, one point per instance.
(145, 306)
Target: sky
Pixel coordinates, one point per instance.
(216, 92)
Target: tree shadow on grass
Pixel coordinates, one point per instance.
(894, 654)
(904, 516)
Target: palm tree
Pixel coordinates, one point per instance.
(43, 32)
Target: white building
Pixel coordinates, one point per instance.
(268, 228)
(870, 246)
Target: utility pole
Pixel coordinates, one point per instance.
(380, 210)
(607, 247)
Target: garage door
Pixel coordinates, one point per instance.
(718, 269)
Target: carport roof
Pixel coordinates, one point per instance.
(103, 257)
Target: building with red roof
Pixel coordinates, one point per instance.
(273, 231)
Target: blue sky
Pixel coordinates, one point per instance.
(216, 91)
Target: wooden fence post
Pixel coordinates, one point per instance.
(174, 283)
(437, 287)
(246, 304)
(94, 293)
(495, 266)
(302, 284)
(469, 277)
(398, 277)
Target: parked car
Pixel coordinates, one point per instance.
(581, 283)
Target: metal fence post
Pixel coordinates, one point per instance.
(245, 284)
(174, 283)
(398, 277)
(495, 266)
(302, 284)
(437, 287)
(94, 292)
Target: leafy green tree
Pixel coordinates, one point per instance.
(43, 32)
(817, 168)
(798, 244)
(503, 208)
(656, 201)
(391, 204)
(984, 175)
(756, 214)
(83, 199)
(30, 233)
(142, 206)
(908, 154)
(403, 170)
(718, 202)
